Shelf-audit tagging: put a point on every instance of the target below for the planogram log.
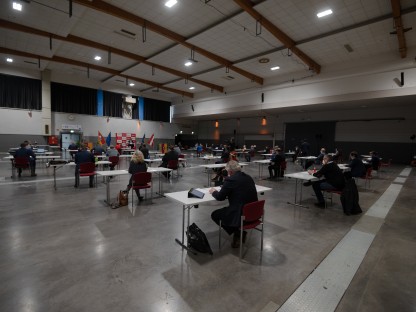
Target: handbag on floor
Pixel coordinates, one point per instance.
(123, 198)
(197, 239)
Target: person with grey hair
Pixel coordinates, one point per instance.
(240, 189)
(333, 179)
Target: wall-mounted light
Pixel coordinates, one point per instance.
(264, 121)
(216, 123)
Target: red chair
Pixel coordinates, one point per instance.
(251, 218)
(87, 170)
(329, 197)
(282, 168)
(174, 165)
(386, 164)
(141, 180)
(21, 163)
(367, 177)
(114, 161)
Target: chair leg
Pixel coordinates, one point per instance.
(219, 235)
(241, 242)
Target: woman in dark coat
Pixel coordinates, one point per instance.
(137, 164)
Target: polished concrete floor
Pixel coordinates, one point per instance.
(65, 250)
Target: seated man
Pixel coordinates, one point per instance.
(171, 155)
(240, 189)
(374, 161)
(111, 152)
(26, 152)
(83, 156)
(275, 164)
(73, 147)
(356, 165)
(334, 179)
(98, 150)
(145, 151)
(318, 160)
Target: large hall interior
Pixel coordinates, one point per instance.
(252, 78)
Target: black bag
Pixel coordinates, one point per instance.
(350, 198)
(197, 239)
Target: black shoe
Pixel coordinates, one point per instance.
(236, 241)
(19, 175)
(33, 174)
(141, 198)
(91, 185)
(347, 213)
(320, 205)
(308, 183)
(75, 185)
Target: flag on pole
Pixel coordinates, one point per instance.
(108, 140)
(101, 139)
(144, 136)
(151, 142)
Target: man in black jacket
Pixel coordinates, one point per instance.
(83, 156)
(171, 155)
(240, 189)
(27, 152)
(356, 165)
(333, 179)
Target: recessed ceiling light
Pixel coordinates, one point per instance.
(10, 60)
(191, 88)
(170, 3)
(188, 63)
(17, 6)
(275, 68)
(324, 13)
(131, 84)
(97, 58)
(264, 60)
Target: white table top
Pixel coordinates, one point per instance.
(47, 157)
(208, 157)
(153, 152)
(307, 157)
(266, 155)
(153, 160)
(111, 172)
(182, 196)
(304, 175)
(262, 161)
(158, 169)
(213, 166)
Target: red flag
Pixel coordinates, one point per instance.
(101, 139)
(151, 142)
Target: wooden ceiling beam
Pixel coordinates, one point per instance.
(398, 25)
(107, 8)
(110, 71)
(247, 6)
(89, 43)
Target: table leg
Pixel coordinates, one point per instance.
(182, 243)
(108, 191)
(296, 203)
(54, 177)
(13, 175)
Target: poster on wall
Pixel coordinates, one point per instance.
(127, 110)
(126, 140)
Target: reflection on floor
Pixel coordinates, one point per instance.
(65, 250)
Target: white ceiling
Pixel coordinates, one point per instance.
(217, 26)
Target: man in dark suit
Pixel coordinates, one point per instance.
(240, 189)
(275, 164)
(356, 165)
(334, 179)
(27, 152)
(83, 156)
(145, 151)
(171, 155)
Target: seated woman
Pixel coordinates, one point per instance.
(137, 164)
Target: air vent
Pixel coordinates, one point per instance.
(348, 48)
(29, 62)
(228, 77)
(126, 33)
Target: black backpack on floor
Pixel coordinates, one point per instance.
(197, 239)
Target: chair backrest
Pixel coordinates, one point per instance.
(225, 160)
(253, 211)
(21, 161)
(141, 178)
(173, 164)
(283, 165)
(88, 167)
(181, 156)
(114, 160)
(368, 173)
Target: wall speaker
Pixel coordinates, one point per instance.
(262, 97)
(192, 108)
(402, 79)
